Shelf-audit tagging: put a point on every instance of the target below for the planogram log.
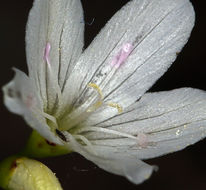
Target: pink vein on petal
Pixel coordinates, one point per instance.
(122, 55)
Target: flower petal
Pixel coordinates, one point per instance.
(54, 41)
(133, 169)
(20, 93)
(20, 98)
(125, 165)
(162, 122)
(133, 50)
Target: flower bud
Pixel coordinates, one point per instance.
(28, 174)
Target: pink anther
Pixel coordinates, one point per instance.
(122, 55)
(29, 101)
(46, 53)
(142, 140)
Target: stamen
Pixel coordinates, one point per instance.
(50, 117)
(75, 145)
(96, 87)
(46, 53)
(117, 106)
(86, 142)
(122, 55)
(50, 74)
(83, 111)
(142, 140)
(104, 130)
(29, 101)
(99, 103)
(94, 106)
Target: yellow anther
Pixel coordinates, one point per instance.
(95, 106)
(96, 87)
(117, 106)
(100, 102)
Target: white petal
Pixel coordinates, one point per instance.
(20, 93)
(155, 30)
(163, 122)
(120, 164)
(133, 169)
(57, 24)
(38, 122)
(20, 98)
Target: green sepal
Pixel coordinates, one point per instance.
(7, 167)
(38, 147)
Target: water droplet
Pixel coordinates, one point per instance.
(178, 132)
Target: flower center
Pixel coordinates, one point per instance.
(83, 111)
(70, 121)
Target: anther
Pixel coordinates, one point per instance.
(96, 87)
(46, 53)
(117, 106)
(100, 102)
(95, 106)
(122, 55)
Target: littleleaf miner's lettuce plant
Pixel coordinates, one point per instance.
(95, 102)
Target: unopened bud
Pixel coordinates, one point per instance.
(28, 174)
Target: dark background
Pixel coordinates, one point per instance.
(183, 170)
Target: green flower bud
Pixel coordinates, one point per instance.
(27, 174)
(6, 169)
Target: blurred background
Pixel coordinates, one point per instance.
(183, 170)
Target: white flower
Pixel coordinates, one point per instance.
(95, 102)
